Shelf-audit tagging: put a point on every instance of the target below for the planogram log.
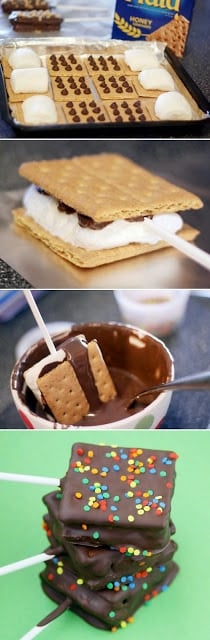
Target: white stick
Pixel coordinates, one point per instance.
(34, 632)
(190, 250)
(18, 477)
(23, 564)
(39, 320)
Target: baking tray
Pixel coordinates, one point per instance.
(184, 83)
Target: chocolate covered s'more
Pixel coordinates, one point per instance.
(90, 210)
(73, 382)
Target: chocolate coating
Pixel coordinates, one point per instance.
(106, 608)
(135, 361)
(99, 566)
(134, 503)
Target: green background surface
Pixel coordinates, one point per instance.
(183, 612)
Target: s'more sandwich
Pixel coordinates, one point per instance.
(90, 210)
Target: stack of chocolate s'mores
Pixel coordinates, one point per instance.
(110, 529)
(90, 210)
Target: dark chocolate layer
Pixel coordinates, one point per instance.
(106, 608)
(99, 566)
(113, 493)
(134, 361)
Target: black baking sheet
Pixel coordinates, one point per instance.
(131, 129)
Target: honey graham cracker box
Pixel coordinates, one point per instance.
(165, 21)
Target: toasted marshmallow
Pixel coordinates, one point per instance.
(138, 59)
(24, 58)
(172, 106)
(29, 81)
(39, 110)
(159, 79)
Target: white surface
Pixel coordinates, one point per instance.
(44, 210)
(27, 81)
(172, 106)
(39, 110)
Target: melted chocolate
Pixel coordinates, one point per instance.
(134, 361)
(86, 221)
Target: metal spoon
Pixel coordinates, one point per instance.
(195, 382)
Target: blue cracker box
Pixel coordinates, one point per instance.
(154, 20)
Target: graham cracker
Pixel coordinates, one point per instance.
(63, 394)
(113, 86)
(105, 64)
(145, 93)
(85, 111)
(19, 97)
(100, 191)
(127, 110)
(7, 69)
(88, 259)
(103, 381)
(69, 88)
(174, 33)
(65, 64)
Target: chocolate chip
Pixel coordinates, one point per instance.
(76, 119)
(119, 90)
(101, 118)
(77, 92)
(87, 91)
(96, 110)
(90, 119)
(84, 112)
(64, 92)
(119, 119)
(129, 90)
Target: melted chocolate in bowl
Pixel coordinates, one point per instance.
(135, 361)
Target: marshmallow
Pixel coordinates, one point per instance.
(158, 79)
(172, 106)
(24, 58)
(29, 80)
(31, 375)
(138, 59)
(39, 110)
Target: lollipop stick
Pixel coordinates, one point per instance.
(18, 477)
(23, 564)
(190, 250)
(39, 320)
(46, 621)
(33, 633)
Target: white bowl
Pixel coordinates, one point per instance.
(123, 345)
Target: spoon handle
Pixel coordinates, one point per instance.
(196, 382)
